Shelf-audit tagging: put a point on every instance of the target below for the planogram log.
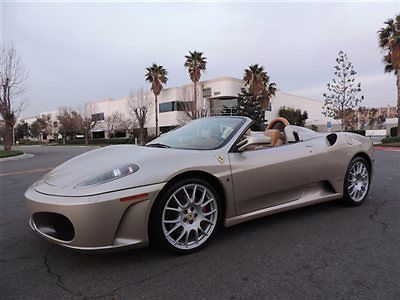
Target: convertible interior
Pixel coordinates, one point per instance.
(280, 132)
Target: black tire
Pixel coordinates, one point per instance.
(157, 228)
(348, 192)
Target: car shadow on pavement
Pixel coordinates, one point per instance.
(230, 234)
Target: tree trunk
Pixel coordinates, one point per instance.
(342, 120)
(195, 98)
(398, 102)
(141, 135)
(342, 116)
(8, 136)
(87, 138)
(156, 108)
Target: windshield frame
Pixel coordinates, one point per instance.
(223, 144)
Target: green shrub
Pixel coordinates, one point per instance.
(294, 116)
(114, 141)
(393, 139)
(72, 142)
(28, 142)
(313, 127)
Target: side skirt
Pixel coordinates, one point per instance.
(304, 201)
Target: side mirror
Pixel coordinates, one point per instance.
(253, 140)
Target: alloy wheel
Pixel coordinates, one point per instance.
(358, 181)
(189, 216)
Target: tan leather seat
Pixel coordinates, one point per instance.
(275, 136)
(275, 130)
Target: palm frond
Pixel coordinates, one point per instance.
(195, 63)
(157, 76)
(389, 40)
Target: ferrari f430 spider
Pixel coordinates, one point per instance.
(178, 189)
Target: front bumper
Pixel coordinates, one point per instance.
(100, 222)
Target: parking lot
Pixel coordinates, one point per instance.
(322, 251)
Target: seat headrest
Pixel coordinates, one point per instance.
(276, 121)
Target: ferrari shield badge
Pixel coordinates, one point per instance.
(220, 158)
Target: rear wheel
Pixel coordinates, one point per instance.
(357, 181)
(186, 216)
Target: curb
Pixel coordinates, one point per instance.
(382, 148)
(17, 157)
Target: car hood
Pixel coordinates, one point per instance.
(63, 179)
(156, 165)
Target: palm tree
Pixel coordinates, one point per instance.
(258, 83)
(389, 41)
(195, 63)
(157, 76)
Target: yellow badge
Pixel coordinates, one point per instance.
(220, 158)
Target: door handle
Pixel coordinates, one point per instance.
(308, 145)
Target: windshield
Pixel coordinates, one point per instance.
(201, 134)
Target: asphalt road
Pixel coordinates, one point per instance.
(323, 251)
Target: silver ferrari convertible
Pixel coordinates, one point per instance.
(178, 189)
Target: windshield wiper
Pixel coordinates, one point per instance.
(158, 145)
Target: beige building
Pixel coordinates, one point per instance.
(216, 97)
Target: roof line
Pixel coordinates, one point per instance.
(289, 94)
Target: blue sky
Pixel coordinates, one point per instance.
(76, 52)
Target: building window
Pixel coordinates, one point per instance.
(207, 92)
(98, 117)
(55, 124)
(98, 134)
(164, 107)
(173, 106)
(165, 129)
(223, 107)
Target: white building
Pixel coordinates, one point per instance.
(390, 123)
(53, 124)
(216, 96)
(219, 96)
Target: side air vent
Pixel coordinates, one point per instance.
(332, 138)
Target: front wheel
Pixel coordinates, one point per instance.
(186, 217)
(357, 181)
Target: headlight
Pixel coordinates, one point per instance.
(110, 175)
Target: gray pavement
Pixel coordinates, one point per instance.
(322, 251)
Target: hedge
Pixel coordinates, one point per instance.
(28, 142)
(393, 139)
(4, 154)
(97, 141)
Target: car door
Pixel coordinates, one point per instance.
(332, 162)
(270, 176)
